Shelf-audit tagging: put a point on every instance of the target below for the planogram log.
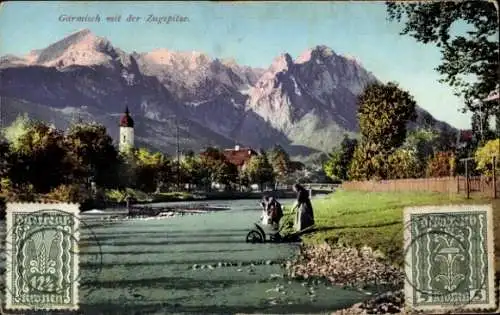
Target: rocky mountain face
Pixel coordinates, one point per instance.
(306, 105)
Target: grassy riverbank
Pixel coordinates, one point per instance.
(119, 196)
(358, 219)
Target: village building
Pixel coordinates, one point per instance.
(126, 142)
(239, 156)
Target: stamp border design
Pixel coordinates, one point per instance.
(33, 207)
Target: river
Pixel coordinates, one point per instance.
(141, 266)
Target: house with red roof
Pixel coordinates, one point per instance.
(239, 156)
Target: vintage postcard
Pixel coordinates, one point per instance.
(42, 256)
(449, 258)
(247, 157)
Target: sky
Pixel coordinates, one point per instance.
(252, 34)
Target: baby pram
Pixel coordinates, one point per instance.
(258, 233)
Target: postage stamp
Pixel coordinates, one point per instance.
(449, 258)
(42, 256)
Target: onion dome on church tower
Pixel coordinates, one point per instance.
(126, 120)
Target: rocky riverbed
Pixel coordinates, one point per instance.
(387, 303)
(345, 266)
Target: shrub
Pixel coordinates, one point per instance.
(368, 162)
(440, 165)
(484, 157)
(69, 193)
(403, 163)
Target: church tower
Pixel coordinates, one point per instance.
(126, 132)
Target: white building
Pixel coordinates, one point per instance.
(126, 132)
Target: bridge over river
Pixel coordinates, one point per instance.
(196, 264)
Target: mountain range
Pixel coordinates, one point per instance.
(306, 104)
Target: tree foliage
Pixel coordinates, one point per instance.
(466, 33)
(481, 130)
(280, 162)
(383, 115)
(40, 158)
(337, 166)
(259, 170)
(424, 142)
(150, 169)
(218, 169)
(369, 162)
(16, 129)
(441, 164)
(403, 163)
(484, 157)
(94, 155)
(192, 172)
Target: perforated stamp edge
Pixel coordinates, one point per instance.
(33, 207)
(493, 291)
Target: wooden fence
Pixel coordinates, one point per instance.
(458, 184)
(313, 186)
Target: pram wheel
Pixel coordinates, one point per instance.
(254, 237)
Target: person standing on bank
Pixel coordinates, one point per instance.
(305, 215)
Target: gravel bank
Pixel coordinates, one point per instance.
(345, 266)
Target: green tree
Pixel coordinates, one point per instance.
(16, 129)
(149, 168)
(217, 168)
(369, 161)
(259, 171)
(403, 163)
(484, 157)
(192, 171)
(469, 54)
(280, 162)
(41, 159)
(424, 142)
(337, 166)
(383, 114)
(94, 155)
(333, 167)
(480, 124)
(447, 139)
(126, 170)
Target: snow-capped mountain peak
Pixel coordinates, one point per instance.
(303, 105)
(82, 48)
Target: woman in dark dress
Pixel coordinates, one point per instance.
(305, 215)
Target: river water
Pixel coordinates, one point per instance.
(141, 266)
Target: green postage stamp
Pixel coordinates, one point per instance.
(42, 256)
(449, 258)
